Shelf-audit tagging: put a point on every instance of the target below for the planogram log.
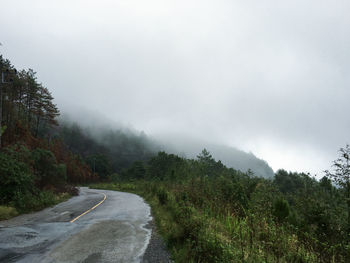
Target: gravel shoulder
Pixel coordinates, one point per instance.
(156, 251)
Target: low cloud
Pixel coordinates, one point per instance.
(266, 77)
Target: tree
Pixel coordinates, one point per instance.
(281, 209)
(46, 169)
(25, 103)
(44, 110)
(99, 164)
(205, 157)
(137, 170)
(326, 184)
(208, 164)
(16, 178)
(164, 165)
(341, 175)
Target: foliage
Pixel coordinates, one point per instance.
(2, 129)
(118, 147)
(31, 180)
(26, 103)
(15, 178)
(209, 213)
(99, 164)
(164, 166)
(281, 209)
(35, 166)
(47, 171)
(341, 176)
(137, 171)
(6, 212)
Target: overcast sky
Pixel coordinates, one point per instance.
(271, 77)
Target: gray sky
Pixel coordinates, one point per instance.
(271, 77)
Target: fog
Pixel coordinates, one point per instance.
(123, 144)
(267, 77)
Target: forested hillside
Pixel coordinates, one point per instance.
(36, 167)
(230, 156)
(110, 150)
(121, 147)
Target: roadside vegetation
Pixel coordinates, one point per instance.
(36, 168)
(207, 212)
(7, 212)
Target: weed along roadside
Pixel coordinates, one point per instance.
(7, 212)
(198, 233)
(36, 203)
(232, 216)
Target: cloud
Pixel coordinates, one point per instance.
(265, 76)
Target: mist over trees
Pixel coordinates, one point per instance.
(230, 156)
(123, 146)
(119, 148)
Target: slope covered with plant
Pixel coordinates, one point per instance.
(107, 151)
(210, 213)
(36, 168)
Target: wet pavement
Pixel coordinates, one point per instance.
(113, 232)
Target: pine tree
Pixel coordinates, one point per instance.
(341, 175)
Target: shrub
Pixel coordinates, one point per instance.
(29, 202)
(7, 212)
(281, 209)
(212, 247)
(46, 169)
(15, 178)
(114, 177)
(162, 195)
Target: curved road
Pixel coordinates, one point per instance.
(114, 231)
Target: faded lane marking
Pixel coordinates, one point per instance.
(92, 208)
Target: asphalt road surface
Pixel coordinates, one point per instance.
(114, 231)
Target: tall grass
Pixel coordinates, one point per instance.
(203, 227)
(24, 203)
(6, 212)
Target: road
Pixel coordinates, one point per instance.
(114, 231)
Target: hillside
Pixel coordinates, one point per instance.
(124, 145)
(230, 156)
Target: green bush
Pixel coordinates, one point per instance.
(46, 169)
(15, 178)
(6, 212)
(281, 209)
(163, 196)
(114, 177)
(29, 202)
(24, 174)
(211, 247)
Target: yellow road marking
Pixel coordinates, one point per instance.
(92, 208)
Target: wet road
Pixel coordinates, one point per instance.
(114, 231)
